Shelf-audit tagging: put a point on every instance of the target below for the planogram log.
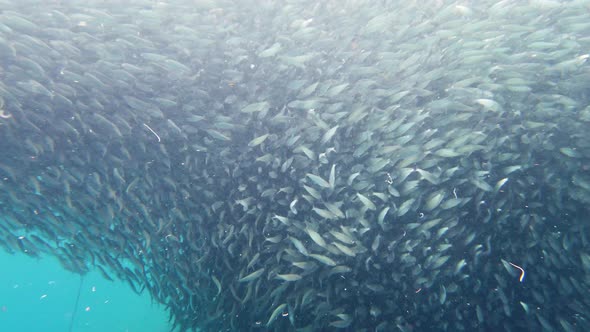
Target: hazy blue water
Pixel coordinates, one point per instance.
(38, 295)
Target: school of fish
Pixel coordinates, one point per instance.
(299, 165)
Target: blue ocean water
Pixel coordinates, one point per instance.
(38, 295)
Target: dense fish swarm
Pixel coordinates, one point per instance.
(307, 165)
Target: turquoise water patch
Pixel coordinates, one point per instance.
(38, 295)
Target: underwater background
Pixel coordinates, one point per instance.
(38, 295)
